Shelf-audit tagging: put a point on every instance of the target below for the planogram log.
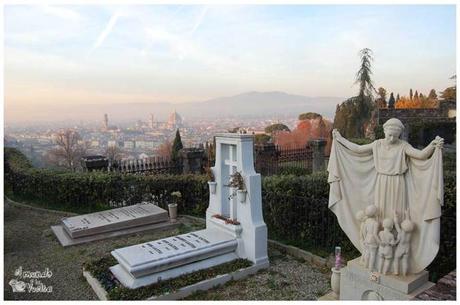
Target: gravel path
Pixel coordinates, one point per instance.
(286, 279)
(29, 243)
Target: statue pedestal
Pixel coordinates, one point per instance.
(358, 283)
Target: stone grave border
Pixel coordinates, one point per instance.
(66, 241)
(184, 291)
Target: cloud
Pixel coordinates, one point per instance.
(199, 20)
(108, 28)
(61, 12)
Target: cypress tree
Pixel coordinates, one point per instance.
(432, 94)
(411, 95)
(176, 147)
(391, 101)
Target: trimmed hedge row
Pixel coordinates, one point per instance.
(295, 207)
(85, 192)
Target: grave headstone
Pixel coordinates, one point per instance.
(234, 227)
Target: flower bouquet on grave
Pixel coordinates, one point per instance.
(211, 180)
(227, 220)
(237, 182)
(172, 207)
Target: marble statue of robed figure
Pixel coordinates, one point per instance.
(403, 183)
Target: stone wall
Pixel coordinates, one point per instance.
(445, 111)
(423, 124)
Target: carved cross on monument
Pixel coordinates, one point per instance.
(231, 162)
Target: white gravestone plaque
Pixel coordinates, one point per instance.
(173, 251)
(111, 220)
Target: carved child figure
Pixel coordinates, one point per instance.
(387, 241)
(371, 239)
(403, 240)
(361, 217)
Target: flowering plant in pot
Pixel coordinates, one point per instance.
(237, 182)
(172, 207)
(211, 180)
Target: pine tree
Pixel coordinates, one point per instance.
(176, 147)
(391, 101)
(416, 97)
(397, 97)
(363, 76)
(354, 114)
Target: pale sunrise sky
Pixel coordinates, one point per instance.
(179, 53)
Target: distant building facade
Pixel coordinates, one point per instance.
(175, 120)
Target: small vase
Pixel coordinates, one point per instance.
(212, 187)
(335, 282)
(241, 195)
(172, 207)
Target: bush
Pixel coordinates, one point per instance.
(361, 141)
(309, 116)
(296, 212)
(86, 192)
(449, 161)
(276, 127)
(422, 132)
(294, 170)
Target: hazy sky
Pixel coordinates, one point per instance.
(179, 53)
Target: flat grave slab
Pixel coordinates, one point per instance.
(153, 260)
(105, 224)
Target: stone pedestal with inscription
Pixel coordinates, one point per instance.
(358, 283)
(95, 226)
(234, 229)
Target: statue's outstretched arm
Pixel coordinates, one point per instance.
(350, 145)
(426, 152)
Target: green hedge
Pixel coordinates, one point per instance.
(295, 207)
(422, 132)
(296, 211)
(86, 192)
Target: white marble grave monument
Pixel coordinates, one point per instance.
(387, 197)
(95, 226)
(238, 232)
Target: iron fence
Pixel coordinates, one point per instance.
(147, 166)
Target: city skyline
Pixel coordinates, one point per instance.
(73, 55)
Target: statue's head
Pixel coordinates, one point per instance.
(393, 129)
(407, 225)
(387, 223)
(371, 210)
(360, 215)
